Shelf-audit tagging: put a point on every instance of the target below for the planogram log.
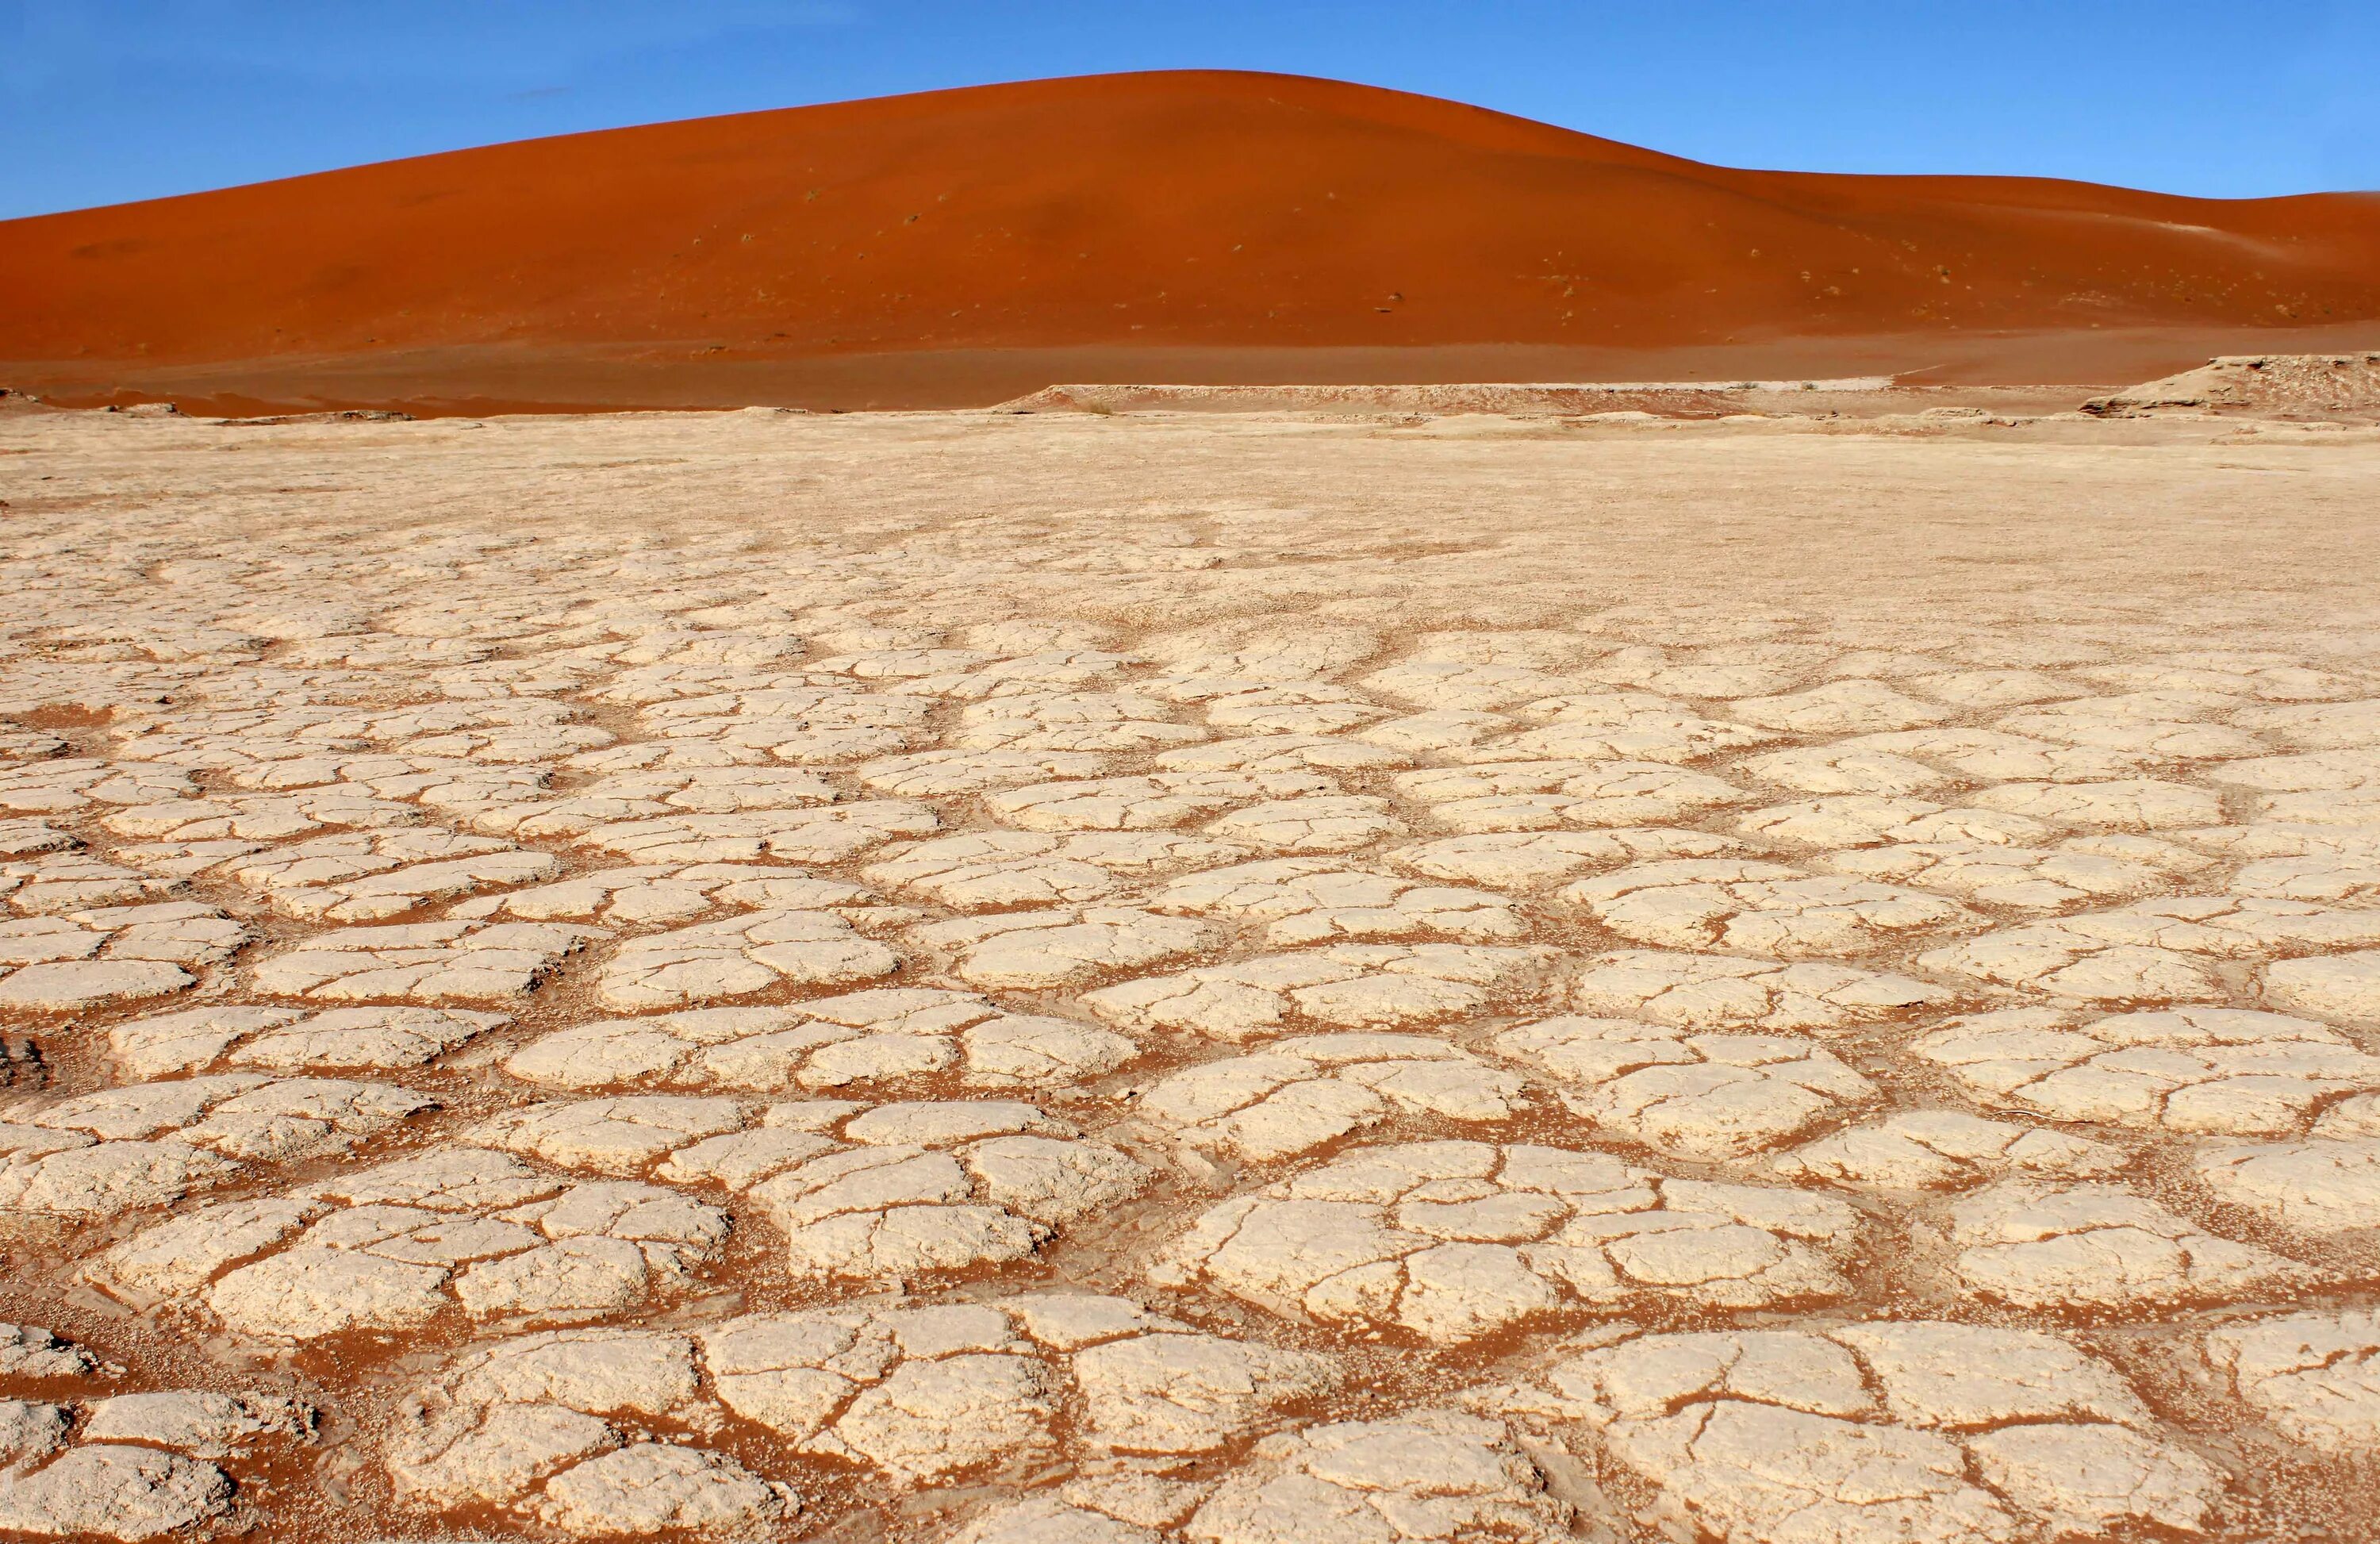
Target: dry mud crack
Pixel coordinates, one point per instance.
(1069, 980)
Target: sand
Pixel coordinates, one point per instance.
(1192, 975)
(957, 248)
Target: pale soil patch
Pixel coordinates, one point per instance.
(1189, 980)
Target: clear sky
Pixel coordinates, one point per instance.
(104, 101)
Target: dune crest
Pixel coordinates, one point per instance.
(1193, 211)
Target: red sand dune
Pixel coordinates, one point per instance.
(963, 245)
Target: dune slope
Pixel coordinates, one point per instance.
(1195, 212)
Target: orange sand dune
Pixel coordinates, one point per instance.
(966, 245)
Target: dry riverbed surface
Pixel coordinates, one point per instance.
(1104, 978)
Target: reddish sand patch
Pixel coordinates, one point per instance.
(1235, 216)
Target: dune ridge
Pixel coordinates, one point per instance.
(1192, 212)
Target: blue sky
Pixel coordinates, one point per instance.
(104, 101)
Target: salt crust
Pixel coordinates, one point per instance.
(859, 1192)
(1713, 992)
(1452, 1240)
(2047, 934)
(1063, 946)
(1888, 1432)
(2314, 1377)
(1302, 1092)
(824, 1043)
(388, 1246)
(144, 1144)
(1347, 985)
(2101, 1245)
(1745, 907)
(1689, 1095)
(1428, 1474)
(115, 1463)
(1315, 900)
(541, 1425)
(292, 1040)
(2227, 1071)
(420, 962)
(738, 956)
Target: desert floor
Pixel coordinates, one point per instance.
(1084, 979)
